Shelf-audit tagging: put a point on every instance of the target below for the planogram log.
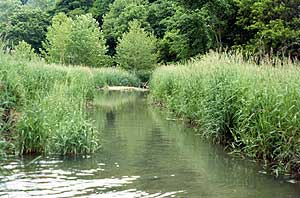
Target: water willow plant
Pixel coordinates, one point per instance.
(43, 106)
(255, 110)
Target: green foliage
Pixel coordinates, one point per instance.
(68, 39)
(24, 51)
(43, 106)
(42, 4)
(269, 26)
(173, 47)
(187, 35)
(159, 12)
(73, 8)
(194, 4)
(114, 77)
(184, 28)
(220, 15)
(7, 8)
(29, 25)
(254, 110)
(57, 39)
(85, 38)
(278, 37)
(100, 8)
(136, 50)
(120, 14)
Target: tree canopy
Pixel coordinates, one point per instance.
(269, 25)
(120, 14)
(29, 25)
(183, 28)
(136, 49)
(77, 42)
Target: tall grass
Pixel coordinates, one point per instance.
(253, 109)
(43, 106)
(114, 77)
(56, 124)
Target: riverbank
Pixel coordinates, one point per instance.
(43, 106)
(252, 110)
(123, 88)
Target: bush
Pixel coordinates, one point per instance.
(24, 52)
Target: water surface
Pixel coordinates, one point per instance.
(143, 155)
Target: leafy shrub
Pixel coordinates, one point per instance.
(24, 52)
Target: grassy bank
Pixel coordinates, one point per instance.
(252, 109)
(43, 106)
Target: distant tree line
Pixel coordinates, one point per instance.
(124, 32)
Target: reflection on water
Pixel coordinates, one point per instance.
(143, 155)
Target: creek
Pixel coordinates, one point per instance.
(143, 154)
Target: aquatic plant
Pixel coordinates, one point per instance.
(252, 109)
(114, 77)
(56, 124)
(43, 106)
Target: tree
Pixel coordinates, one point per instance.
(220, 16)
(187, 35)
(269, 26)
(77, 42)
(195, 4)
(7, 8)
(73, 8)
(159, 12)
(86, 43)
(173, 47)
(100, 8)
(117, 20)
(42, 4)
(28, 24)
(57, 39)
(136, 49)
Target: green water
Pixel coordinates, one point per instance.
(143, 155)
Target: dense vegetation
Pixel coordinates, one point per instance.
(253, 110)
(183, 29)
(43, 106)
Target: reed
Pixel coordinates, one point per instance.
(43, 106)
(252, 109)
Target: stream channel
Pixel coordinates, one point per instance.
(143, 154)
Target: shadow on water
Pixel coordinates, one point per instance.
(143, 155)
(110, 117)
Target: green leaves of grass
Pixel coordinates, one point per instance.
(253, 109)
(43, 106)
